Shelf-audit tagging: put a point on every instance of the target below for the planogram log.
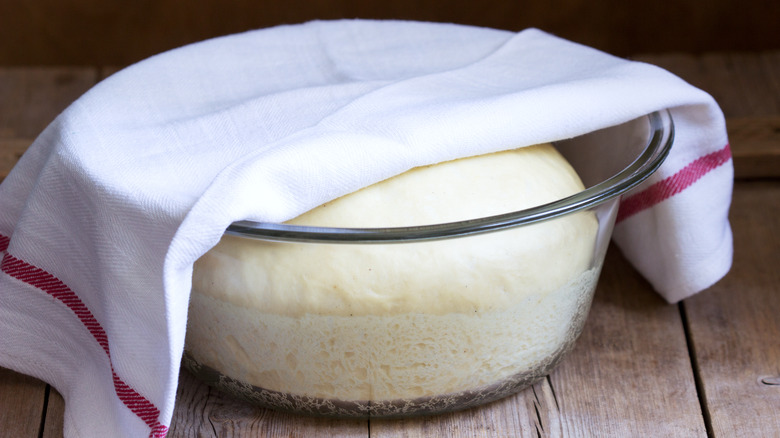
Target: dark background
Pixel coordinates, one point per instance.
(119, 32)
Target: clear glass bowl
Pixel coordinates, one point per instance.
(445, 347)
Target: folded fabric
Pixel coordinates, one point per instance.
(103, 217)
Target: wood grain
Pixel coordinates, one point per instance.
(11, 150)
(531, 412)
(21, 404)
(31, 97)
(735, 327)
(744, 84)
(202, 412)
(94, 32)
(755, 146)
(55, 415)
(747, 88)
(630, 373)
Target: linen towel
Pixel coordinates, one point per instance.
(102, 218)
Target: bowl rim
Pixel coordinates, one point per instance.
(661, 137)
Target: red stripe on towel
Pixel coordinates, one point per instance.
(672, 185)
(50, 284)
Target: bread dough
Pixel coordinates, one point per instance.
(403, 320)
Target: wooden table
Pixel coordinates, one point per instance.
(709, 366)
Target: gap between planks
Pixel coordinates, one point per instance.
(697, 379)
(734, 325)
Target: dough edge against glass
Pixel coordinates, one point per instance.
(468, 274)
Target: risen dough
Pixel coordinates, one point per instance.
(411, 320)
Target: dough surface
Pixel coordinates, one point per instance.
(409, 320)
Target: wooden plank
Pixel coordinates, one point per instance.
(107, 71)
(31, 97)
(610, 385)
(755, 146)
(202, 412)
(629, 374)
(531, 412)
(10, 151)
(55, 415)
(744, 84)
(735, 325)
(739, 82)
(747, 87)
(96, 32)
(21, 404)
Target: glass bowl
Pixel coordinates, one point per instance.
(428, 353)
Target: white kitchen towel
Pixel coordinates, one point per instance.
(102, 219)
